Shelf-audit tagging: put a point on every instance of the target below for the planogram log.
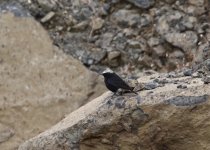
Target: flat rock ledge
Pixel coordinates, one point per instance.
(163, 118)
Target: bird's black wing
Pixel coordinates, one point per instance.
(116, 81)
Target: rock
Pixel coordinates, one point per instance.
(159, 51)
(207, 64)
(126, 18)
(89, 20)
(170, 1)
(196, 75)
(15, 8)
(142, 3)
(186, 41)
(47, 5)
(97, 23)
(181, 86)
(171, 21)
(153, 41)
(49, 16)
(5, 133)
(154, 120)
(206, 79)
(197, 2)
(187, 72)
(113, 55)
(205, 51)
(81, 26)
(106, 40)
(39, 84)
(133, 44)
(150, 85)
(187, 100)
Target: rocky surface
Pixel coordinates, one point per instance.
(166, 117)
(162, 35)
(39, 84)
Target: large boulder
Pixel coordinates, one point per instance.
(38, 83)
(167, 117)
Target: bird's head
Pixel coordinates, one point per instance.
(107, 71)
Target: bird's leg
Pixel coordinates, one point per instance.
(120, 92)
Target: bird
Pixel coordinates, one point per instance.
(113, 82)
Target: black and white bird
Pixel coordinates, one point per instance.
(113, 82)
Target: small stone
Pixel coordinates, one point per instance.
(186, 40)
(187, 72)
(177, 54)
(197, 2)
(5, 133)
(150, 86)
(106, 141)
(142, 3)
(14, 7)
(133, 44)
(196, 75)
(159, 50)
(113, 55)
(171, 75)
(97, 23)
(181, 86)
(48, 17)
(153, 41)
(47, 4)
(206, 79)
(106, 40)
(126, 18)
(81, 26)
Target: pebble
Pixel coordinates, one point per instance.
(150, 85)
(113, 54)
(206, 79)
(182, 86)
(48, 17)
(187, 72)
(142, 3)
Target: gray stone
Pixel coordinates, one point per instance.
(96, 23)
(187, 72)
(142, 3)
(133, 44)
(186, 41)
(206, 79)
(197, 2)
(159, 50)
(113, 55)
(150, 85)
(5, 133)
(170, 21)
(177, 54)
(48, 16)
(187, 100)
(14, 7)
(181, 86)
(106, 40)
(153, 41)
(126, 18)
(47, 5)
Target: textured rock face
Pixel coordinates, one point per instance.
(38, 83)
(165, 118)
(90, 30)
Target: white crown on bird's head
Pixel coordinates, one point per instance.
(108, 70)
